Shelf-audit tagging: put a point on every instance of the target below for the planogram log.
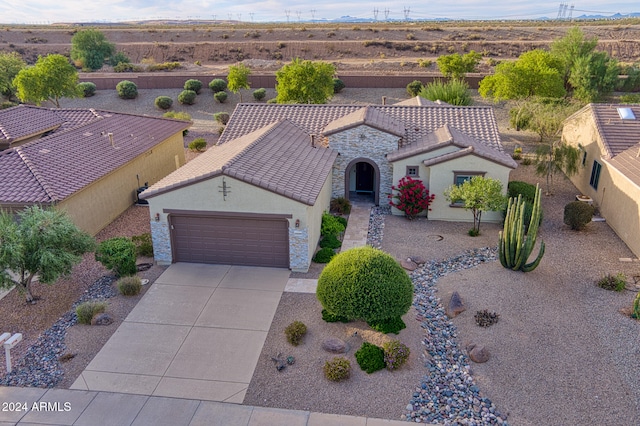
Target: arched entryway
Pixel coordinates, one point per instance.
(362, 180)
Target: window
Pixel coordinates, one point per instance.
(584, 157)
(413, 171)
(460, 177)
(595, 174)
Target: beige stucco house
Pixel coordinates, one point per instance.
(85, 161)
(609, 138)
(258, 196)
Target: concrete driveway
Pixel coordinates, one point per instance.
(197, 333)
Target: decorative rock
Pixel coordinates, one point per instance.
(144, 281)
(455, 306)
(409, 265)
(418, 260)
(479, 354)
(334, 345)
(102, 319)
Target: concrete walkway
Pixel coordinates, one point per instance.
(357, 228)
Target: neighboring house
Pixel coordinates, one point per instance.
(278, 166)
(609, 138)
(85, 161)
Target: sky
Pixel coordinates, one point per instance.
(50, 11)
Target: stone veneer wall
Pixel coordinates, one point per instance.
(374, 145)
(161, 242)
(299, 249)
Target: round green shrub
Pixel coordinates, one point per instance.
(198, 144)
(119, 58)
(295, 332)
(324, 255)
(85, 311)
(330, 241)
(331, 225)
(220, 97)
(119, 255)
(517, 187)
(88, 88)
(342, 220)
(577, 214)
(144, 244)
(221, 117)
(187, 97)
(217, 85)
(259, 94)
(365, 283)
(129, 286)
(414, 88)
(338, 369)
(396, 354)
(338, 85)
(370, 357)
(163, 102)
(193, 84)
(127, 89)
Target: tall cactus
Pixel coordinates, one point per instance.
(515, 247)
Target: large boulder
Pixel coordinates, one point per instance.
(455, 305)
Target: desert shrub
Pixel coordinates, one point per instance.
(330, 241)
(338, 85)
(633, 98)
(324, 255)
(342, 220)
(119, 58)
(520, 118)
(389, 325)
(615, 282)
(127, 89)
(85, 311)
(295, 332)
(577, 214)
(125, 67)
(370, 357)
(220, 97)
(7, 104)
(118, 254)
(163, 102)
(338, 369)
(517, 153)
(259, 94)
(87, 88)
(329, 317)
(221, 117)
(526, 161)
(178, 115)
(365, 283)
(395, 354)
(272, 101)
(331, 225)
(198, 144)
(144, 245)
(340, 205)
(187, 97)
(217, 85)
(129, 286)
(453, 92)
(635, 311)
(525, 189)
(165, 66)
(414, 88)
(193, 84)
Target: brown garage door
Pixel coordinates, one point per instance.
(230, 240)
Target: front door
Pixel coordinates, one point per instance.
(364, 177)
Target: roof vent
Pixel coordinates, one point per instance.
(626, 113)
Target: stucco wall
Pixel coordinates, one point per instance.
(362, 142)
(100, 203)
(616, 197)
(315, 216)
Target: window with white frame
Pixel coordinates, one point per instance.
(413, 171)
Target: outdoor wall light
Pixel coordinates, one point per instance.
(297, 223)
(157, 217)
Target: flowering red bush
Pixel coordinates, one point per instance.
(412, 197)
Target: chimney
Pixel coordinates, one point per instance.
(111, 139)
(313, 140)
(384, 100)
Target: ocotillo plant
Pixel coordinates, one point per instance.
(515, 247)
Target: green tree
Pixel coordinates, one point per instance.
(42, 242)
(477, 194)
(90, 48)
(238, 78)
(457, 65)
(51, 78)
(10, 65)
(593, 76)
(569, 48)
(305, 82)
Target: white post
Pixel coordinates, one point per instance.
(9, 343)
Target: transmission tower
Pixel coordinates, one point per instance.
(287, 12)
(298, 14)
(239, 15)
(570, 10)
(386, 14)
(251, 15)
(375, 13)
(313, 14)
(230, 16)
(406, 11)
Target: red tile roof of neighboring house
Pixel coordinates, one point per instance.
(476, 121)
(369, 116)
(49, 169)
(628, 163)
(23, 122)
(277, 157)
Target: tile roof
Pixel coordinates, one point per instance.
(420, 101)
(617, 134)
(448, 135)
(476, 121)
(368, 116)
(52, 168)
(628, 163)
(22, 122)
(277, 157)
